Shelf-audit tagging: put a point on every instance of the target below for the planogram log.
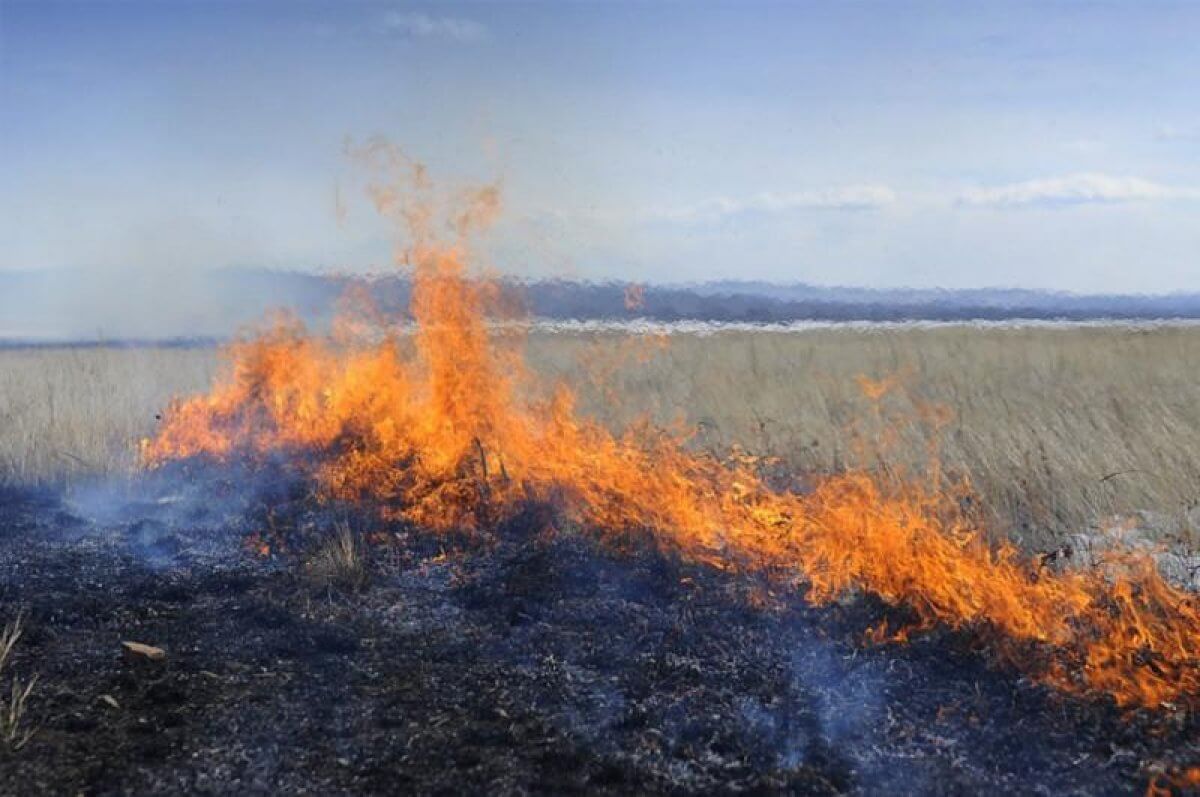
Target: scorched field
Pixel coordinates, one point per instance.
(637, 612)
(442, 551)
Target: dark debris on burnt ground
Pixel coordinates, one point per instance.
(523, 662)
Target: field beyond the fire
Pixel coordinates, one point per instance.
(1058, 428)
(309, 647)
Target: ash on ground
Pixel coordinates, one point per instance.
(525, 661)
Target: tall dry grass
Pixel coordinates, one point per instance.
(67, 412)
(1057, 428)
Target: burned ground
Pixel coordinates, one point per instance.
(527, 661)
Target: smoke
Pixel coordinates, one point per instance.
(152, 304)
(176, 517)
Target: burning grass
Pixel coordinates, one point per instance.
(1058, 429)
(438, 445)
(447, 429)
(454, 432)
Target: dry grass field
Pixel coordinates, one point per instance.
(1057, 428)
(79, 411)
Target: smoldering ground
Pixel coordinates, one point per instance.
(523, 660)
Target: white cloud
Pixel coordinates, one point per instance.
(854, 197)
(1074, 189)
(423, 26)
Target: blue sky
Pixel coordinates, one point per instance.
(1045, 145)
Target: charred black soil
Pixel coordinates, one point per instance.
(527, 662)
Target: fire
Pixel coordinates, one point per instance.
(447, 429)
(1166, 786)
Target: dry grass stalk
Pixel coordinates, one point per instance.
(14, 730)
(341, 562)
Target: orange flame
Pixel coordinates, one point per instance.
(448, 429)
(1171, 784)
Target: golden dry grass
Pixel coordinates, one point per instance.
(341, 562)
(1057, 428)
(74, 411)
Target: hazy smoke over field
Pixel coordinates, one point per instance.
(122, 304)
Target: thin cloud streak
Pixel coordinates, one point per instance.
(422, 26)
(1075, 189)
(854, 197)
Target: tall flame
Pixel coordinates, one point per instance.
(447, 429)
